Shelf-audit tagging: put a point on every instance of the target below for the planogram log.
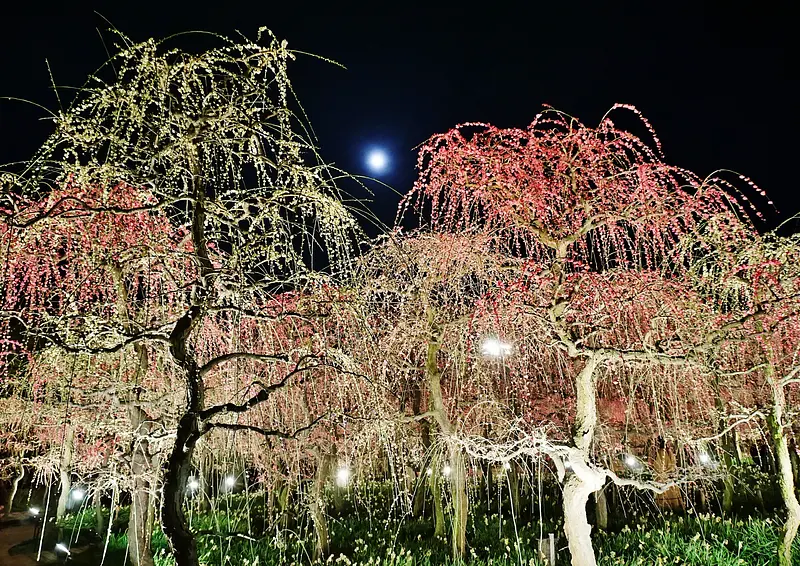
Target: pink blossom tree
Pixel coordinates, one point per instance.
(581, 204)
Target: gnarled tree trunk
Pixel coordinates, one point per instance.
(179, 464)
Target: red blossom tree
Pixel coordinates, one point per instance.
(581, 204)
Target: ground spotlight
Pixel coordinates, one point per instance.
(495, 348)
(342, 476)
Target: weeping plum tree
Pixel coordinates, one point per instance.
(82, 264)
(210, 138)
(756, 290)
(420, 295)
(573, 201)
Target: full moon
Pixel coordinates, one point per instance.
(377, 160)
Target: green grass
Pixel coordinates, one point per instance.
(361, 539)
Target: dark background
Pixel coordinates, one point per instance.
(717, 81)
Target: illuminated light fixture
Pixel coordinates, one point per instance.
(506, 465)
(61, 547)
(230, 481)
(78, 494)
(446, 470)
(495, 348)
(34, 511)
(704, 458)
(342, 476)
(429, 472)
(193, 484)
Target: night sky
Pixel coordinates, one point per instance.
(718, 83)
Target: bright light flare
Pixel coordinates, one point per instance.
(34, 511)
(61, 547)
(447, 470)
(377, 160)
(230, 481)
(342, 476)
(495, 348)
(78, 494)
(193, 484)
(704, 458)
(632, 461)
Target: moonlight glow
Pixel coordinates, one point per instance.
(377, 160)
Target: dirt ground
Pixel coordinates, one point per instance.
(13, 533)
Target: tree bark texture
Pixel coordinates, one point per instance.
(777, 428)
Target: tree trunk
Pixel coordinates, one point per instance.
(583, 481)
(793, 456)
(665, 465)
(139, 539)
(317, 507)
(14, 486)
(576, 524)
(65, 467)
(513, 489)
(784, 465)
(436, 494)
(99, 518)
(460, 502)
(601, 509)
(179, 464)
(419, 494)
(176, 475)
